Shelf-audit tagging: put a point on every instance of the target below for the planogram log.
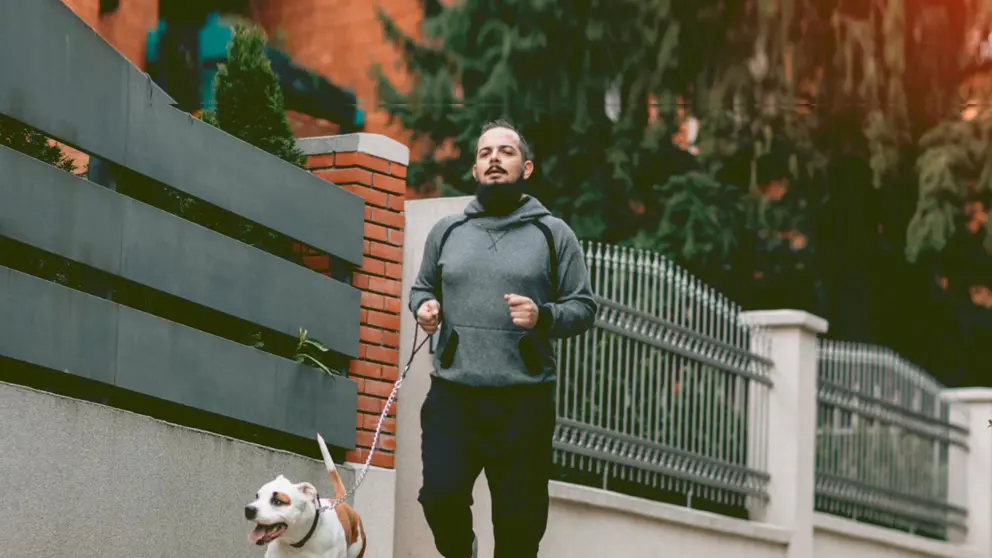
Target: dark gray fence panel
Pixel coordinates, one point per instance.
(62, 329)
(77, 219)
(67, 82)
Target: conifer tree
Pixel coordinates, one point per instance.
(842, 94)
(592, 84)
(250, 103)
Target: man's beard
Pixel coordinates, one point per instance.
(500, 198)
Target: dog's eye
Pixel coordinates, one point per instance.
(275, 501)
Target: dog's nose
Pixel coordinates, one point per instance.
(250, 512)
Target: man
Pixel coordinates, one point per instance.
(501, 282)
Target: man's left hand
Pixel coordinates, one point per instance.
(523, 311)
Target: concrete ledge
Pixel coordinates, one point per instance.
(785, 318)
(115, 484)
(968, 395)
(371, 144)
(853, 530)
(712, 522)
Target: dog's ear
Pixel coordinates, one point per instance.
(307, 489)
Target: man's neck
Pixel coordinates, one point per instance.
(504, 211)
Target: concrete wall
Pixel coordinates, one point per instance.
(588, 522)
(835, 536)
(84, 480)
(413, 538)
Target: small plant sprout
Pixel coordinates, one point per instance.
(304, 349)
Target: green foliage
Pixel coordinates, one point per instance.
(311, 352)
(617, 179)
(816, 86)
(954, 166)
(19, 137)
(482, 60)
(701, 223)
(250, 103)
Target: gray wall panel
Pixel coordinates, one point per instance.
(67, 82)
(56, 327)
(72, 217)
(62, 329)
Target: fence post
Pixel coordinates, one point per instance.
(789, 338)
(373, 167)
(975, 468)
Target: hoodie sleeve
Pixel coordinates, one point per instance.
(574, 311)
(425, 285)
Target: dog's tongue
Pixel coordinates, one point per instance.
(255, 536)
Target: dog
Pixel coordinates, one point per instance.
(288, 519)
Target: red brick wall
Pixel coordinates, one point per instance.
(382, 184)
(343, 40)
(126, 29)
(87, 10)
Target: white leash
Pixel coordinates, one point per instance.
(382, 420)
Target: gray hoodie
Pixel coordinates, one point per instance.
(485, 257)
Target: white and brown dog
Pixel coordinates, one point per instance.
(288, 517)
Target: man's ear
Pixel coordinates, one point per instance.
(307, 489)
(528, 169)
(473, 174)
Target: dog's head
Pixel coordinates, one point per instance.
(281, 506)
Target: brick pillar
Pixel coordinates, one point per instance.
(373, 167)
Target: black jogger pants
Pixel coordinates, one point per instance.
(506, 431)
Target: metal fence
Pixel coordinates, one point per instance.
(667, 396)
(883, 436)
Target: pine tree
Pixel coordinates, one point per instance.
(840, 93)
(250, 103)
(551, 67)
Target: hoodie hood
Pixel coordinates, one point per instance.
(529, 209)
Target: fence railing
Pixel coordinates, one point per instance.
(113, 287)
(883, 437)
(665, 397)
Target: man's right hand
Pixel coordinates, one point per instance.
(429, 315)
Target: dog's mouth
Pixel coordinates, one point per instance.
(264, 534)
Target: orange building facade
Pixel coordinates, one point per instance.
(341, 40)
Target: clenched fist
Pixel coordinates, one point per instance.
(523, 311)
(429, 316)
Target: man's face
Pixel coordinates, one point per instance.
(498, 158)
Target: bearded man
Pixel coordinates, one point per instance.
(501, 283)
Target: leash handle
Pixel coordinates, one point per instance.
(382, 420)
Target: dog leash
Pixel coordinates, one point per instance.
(382, 420)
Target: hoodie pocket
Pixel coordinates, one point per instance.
(448, 350)
(490, 351)
(530, 355)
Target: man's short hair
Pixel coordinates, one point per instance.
(526, 151)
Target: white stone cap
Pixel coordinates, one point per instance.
(376, 145)
(968, 394)
(777, 319)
